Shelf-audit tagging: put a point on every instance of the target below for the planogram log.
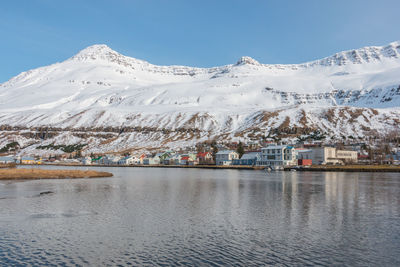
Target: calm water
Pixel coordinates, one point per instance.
(155, 216)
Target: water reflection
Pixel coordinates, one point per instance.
(203, 217)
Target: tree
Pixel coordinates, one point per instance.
(78, 154)
(214, 150)
(199, 147)
(240, 149)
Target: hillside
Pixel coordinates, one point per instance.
(113, 102)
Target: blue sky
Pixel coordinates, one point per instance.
(203, 33)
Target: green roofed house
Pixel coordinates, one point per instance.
(97, 160)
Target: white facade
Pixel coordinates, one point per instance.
(225, 157)
(330, 155)
(281, 155)
(87, 161)
(347, 155)
(129, 160)
(151, 161)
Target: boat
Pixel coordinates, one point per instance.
(274, 168)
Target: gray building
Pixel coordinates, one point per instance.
(226, 157)
(278, 155)
(249, 159)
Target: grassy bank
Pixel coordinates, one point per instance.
(24, 174)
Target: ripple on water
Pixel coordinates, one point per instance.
(171, 217)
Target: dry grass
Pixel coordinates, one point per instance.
(22, 174)
(330, 116)
(285, 124)
(7, 165)
(267, 116)
(109, 140)
(303, 119)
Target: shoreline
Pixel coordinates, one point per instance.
(321, 168)
(234, 167)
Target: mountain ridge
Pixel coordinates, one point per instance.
(367, 53)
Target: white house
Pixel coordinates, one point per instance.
(151, 160)
(129, 160)
(87, 161)
(226, 157)
(173, 159)
(204, 158)
(278, 155)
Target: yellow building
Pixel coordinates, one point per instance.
(28, 160)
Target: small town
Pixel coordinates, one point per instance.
(271, 155)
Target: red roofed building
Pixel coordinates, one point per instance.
(204, 158)
(186, 160)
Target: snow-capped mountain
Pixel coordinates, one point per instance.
(115, 102)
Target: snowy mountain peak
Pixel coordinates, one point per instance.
(392, 50)
(247, 60)
(93, 52)
(360, 56)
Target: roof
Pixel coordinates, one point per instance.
(277, 147)
(303, 150)
(203, 154)
(226, 152)
(27, 158)
(6, 158)
(251, 155)
(128, 157)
